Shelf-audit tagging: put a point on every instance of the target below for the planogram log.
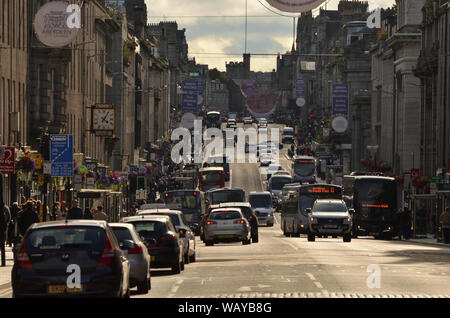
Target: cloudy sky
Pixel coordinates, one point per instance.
(215, 29)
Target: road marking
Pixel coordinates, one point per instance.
(6, 292)
(311, 276)
(176, 287)
(318, 285)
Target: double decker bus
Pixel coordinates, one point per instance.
(374, 199)
(294, 218)
(304, 169)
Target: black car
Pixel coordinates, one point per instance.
(248, 213)
(52, 253)
(162, 240)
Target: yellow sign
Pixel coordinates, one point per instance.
(41, 179)
(37, 157)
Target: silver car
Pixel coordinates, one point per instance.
(225, 225)
(181, 224)
(138, 256)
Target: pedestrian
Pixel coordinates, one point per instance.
(87, 214)
(56, 212)
(5, 216)
(444, 220)
(405, 224)
(75, 212)
(63, 210)
(14, 210)
(100, 214)
(26, 218)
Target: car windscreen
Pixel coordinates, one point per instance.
(278, 183)
(221, 215)
(186, 199)
(227, 196)
(150, 229)
(122, 233)
(75, 237)
(329, 207)
(260, 201)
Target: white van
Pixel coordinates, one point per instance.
(287, 135)
(261, 203)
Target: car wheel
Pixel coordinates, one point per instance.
(186, 258)
(347, 238)
(143, 287)
(176, 269)
(311, 238)
(192, 258)
(209, 243)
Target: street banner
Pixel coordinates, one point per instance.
(61, 155)
(340, 105)
(7, 157)
(189, 102)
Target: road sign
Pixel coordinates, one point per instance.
(340, 105)
(190, 86)
(141, 194)
(61, 155)
(340, 89)
(189, 102)
(7, 157)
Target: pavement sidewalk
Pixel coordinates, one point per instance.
(5, 272)
(431, 241)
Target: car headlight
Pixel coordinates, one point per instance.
(313, 220)
(348, 220)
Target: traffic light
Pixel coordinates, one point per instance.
(140, 183)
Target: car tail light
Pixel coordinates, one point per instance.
(137, 249)
(108, 253)
(211, 222)
(23, 259)
(240, 221)
(167, 238)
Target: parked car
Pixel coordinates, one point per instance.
(248, 213)
(162, 240)
(138, 256)
(330, 217)
(181, 225)
(262, 204)
(47, 250)
(227, 225)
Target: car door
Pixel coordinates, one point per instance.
(123, 260)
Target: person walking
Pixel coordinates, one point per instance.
(405, 224)
(100, 214)
(5, 216)
(14, 210)
(87, 214)
(444, 220)
(26, 218)
(75, 213)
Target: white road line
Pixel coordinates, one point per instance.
(311, 276)
(318, 285)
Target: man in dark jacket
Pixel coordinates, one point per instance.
(12, 224)
(5, 216)
(75, 213)
(26, 218)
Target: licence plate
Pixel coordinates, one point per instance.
(330, 227)
(225, 236)
(61, 289)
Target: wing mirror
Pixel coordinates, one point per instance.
(182, 232)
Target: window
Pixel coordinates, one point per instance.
(329, 207)
(225, 215)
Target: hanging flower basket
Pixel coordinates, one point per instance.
(26, 163)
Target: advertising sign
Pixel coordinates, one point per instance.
(7, 156)
(56, 24)
(61, 155)
(295, 6)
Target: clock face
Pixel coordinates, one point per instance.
(103, 119)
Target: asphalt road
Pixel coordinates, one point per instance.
(279, 266)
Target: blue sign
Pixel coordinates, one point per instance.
(190, 86)
(189, 102)
(61, 155)
(300, 88)
(340, 89)
(340, 105)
